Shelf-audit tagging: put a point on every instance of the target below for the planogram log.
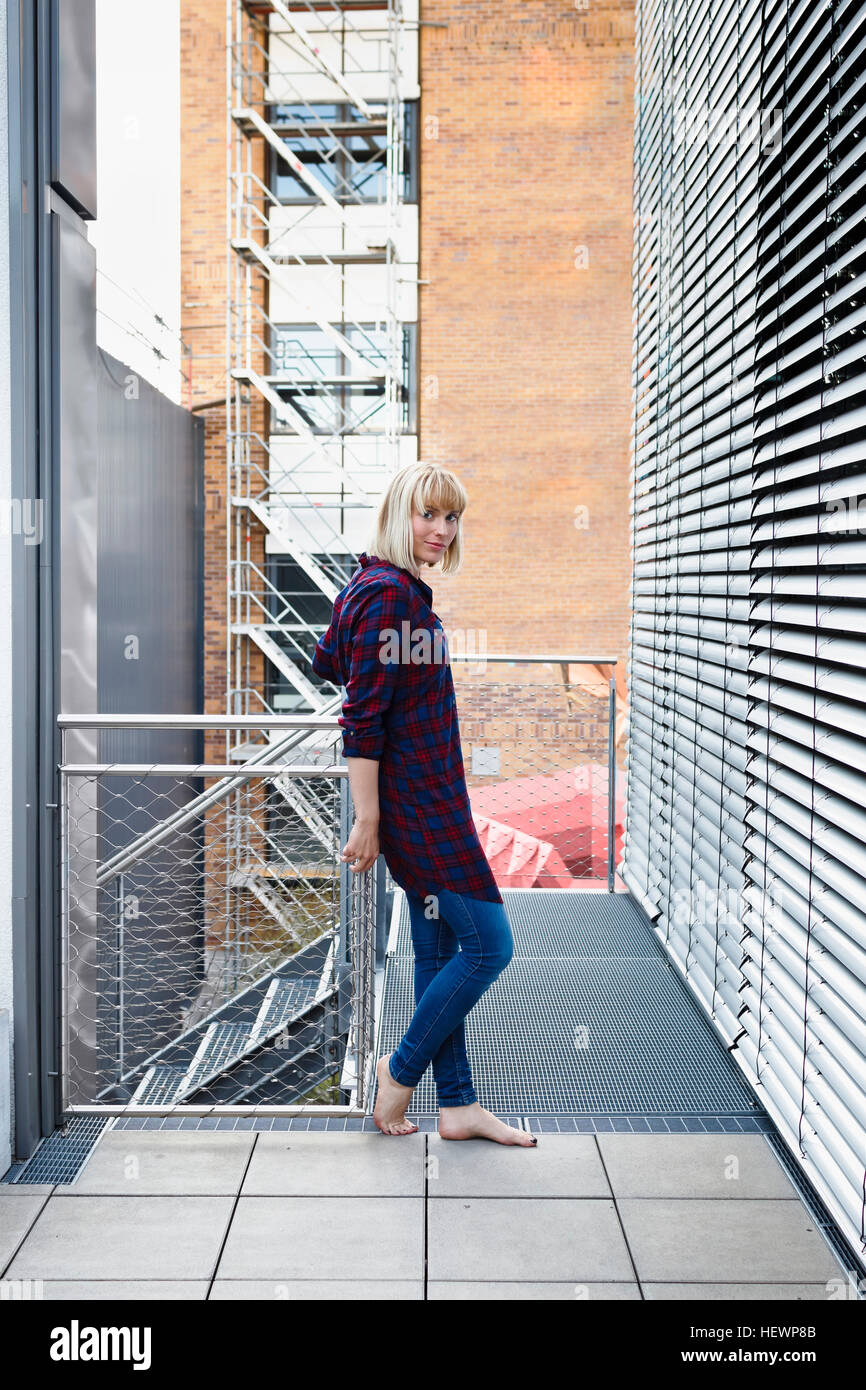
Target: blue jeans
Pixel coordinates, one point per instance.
(459, 952)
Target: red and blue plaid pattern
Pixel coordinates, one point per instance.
(388, 648)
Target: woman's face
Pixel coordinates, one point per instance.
(433, 531)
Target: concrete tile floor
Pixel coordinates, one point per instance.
(279, 1215)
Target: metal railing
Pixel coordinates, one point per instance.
(217, 956)
(197, 981)
(540, 755)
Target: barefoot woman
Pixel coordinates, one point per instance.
(402, 744)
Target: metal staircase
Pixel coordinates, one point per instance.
(316, 352)
(272, 1042)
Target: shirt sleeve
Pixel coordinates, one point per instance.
(376, 670)
(324, 662)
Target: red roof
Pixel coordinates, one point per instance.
(519, 860)
(549, 829)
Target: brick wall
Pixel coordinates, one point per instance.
(525, 359)
(525, 324)
(203, 172)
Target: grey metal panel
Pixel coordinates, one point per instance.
(150, 642)
(32, 677)
(52, 397)
(151, 524)
(74, 412)
(73, 103)
(75, 404)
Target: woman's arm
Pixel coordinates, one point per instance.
(364, 781)
(362, 847)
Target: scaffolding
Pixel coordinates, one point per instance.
(316, 342)
(321, 300)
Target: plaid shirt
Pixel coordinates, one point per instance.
(403, 713)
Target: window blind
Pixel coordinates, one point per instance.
(746, 825)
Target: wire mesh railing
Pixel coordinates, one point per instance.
(216, 955)
(538, 737)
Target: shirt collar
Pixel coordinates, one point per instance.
(365, 561)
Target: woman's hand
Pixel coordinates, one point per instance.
(362, 846)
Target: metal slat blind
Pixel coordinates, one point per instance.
(746, 829)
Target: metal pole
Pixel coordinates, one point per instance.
(611, 784)
(357, 983)
(367, 1002)
(121, 896)
(64, 931)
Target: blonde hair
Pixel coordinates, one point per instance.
(415, 488)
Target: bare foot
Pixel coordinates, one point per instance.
(474, 1122)
(389, 1113)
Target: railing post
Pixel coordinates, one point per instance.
(380, 871)
(65, 1098)
(121, 948)
(611, 785)
(343, 959)
(365, 954)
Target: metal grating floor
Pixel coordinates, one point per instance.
(60, 1157)
(589, 1018)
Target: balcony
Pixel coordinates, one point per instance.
(225, 997)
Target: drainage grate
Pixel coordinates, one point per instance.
(588, 1019)
(848, 1258)
(60, 1157)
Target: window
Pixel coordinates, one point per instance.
(293, 601)
(333, 403)
(345, 153)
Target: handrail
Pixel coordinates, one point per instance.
(296, 721)
(252, 767)
(551, 660)
(201, 721)
(199, 769)
(231, 777)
